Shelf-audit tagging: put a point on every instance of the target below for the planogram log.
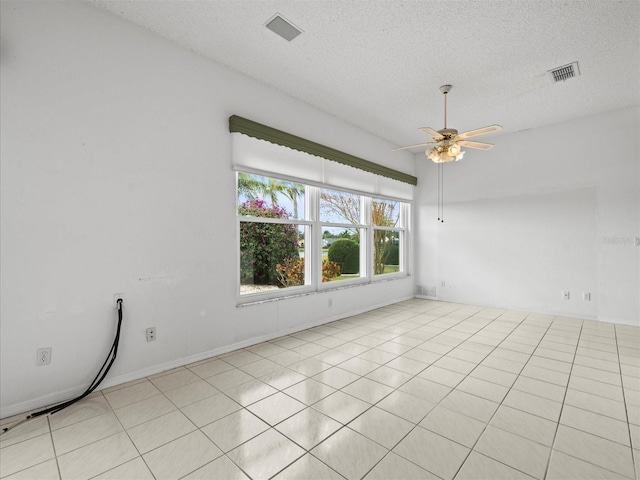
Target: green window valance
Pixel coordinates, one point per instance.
(263, 132)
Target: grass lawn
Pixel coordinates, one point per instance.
(387, 269)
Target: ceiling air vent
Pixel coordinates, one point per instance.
(282, 27)
(565, 72)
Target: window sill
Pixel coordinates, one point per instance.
(256, 300)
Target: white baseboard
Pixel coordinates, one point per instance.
(620, 321)
(58, 397)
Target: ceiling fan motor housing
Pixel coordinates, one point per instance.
(448, 133)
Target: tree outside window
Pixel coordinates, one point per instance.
(386, 242)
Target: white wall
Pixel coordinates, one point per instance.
(116, 177)
(547, 210)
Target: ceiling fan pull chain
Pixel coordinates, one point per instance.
(441, 192)
(439, 170)
(442, 214)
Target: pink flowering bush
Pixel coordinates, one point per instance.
(264, 245)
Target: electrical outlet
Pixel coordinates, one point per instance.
(443, 283)
(43, 356)
(116, 297)
(151, 334)
(330, 303)
(586, 296)
(565, 295)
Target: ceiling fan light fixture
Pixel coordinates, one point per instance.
(432, 154)
(445, 153)
(454, 150)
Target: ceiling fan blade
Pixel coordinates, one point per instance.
(479, 145)
(413, 146)
(431, 132)
(479, 131)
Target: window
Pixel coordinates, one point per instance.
(343, 234)
(271, 237)
(297, 238)
(388, 236)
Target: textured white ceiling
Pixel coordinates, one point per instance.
(378, 64)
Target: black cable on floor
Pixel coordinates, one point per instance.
(106, 366)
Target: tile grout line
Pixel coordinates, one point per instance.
(343, 426)
(56, 455)
(593, 434)
(53, 445)
(599, 414)
(555, 435)
(472, 449)
(281, 391)
(626, 411)
(128, 436)
(452, 389)
(397, 388)
(197, 428)
(273, 427)
(372, 405)
(452, 348)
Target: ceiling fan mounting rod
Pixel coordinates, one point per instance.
(445, 89)
(445, 110)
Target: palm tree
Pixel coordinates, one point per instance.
(253, 186)
(292, 191)
(250, 186)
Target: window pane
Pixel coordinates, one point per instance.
(385, 213)
(270, 197)
(270, 256)
(339, 207)
(341, 253)
(386, 251)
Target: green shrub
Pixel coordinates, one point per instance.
(346, 253)
(394, 255)
(264, 245)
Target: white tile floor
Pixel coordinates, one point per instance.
(416, 390)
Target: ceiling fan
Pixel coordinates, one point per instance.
(448, 141)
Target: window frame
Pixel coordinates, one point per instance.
(402, 228)
(363, 245)
(313, 250)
